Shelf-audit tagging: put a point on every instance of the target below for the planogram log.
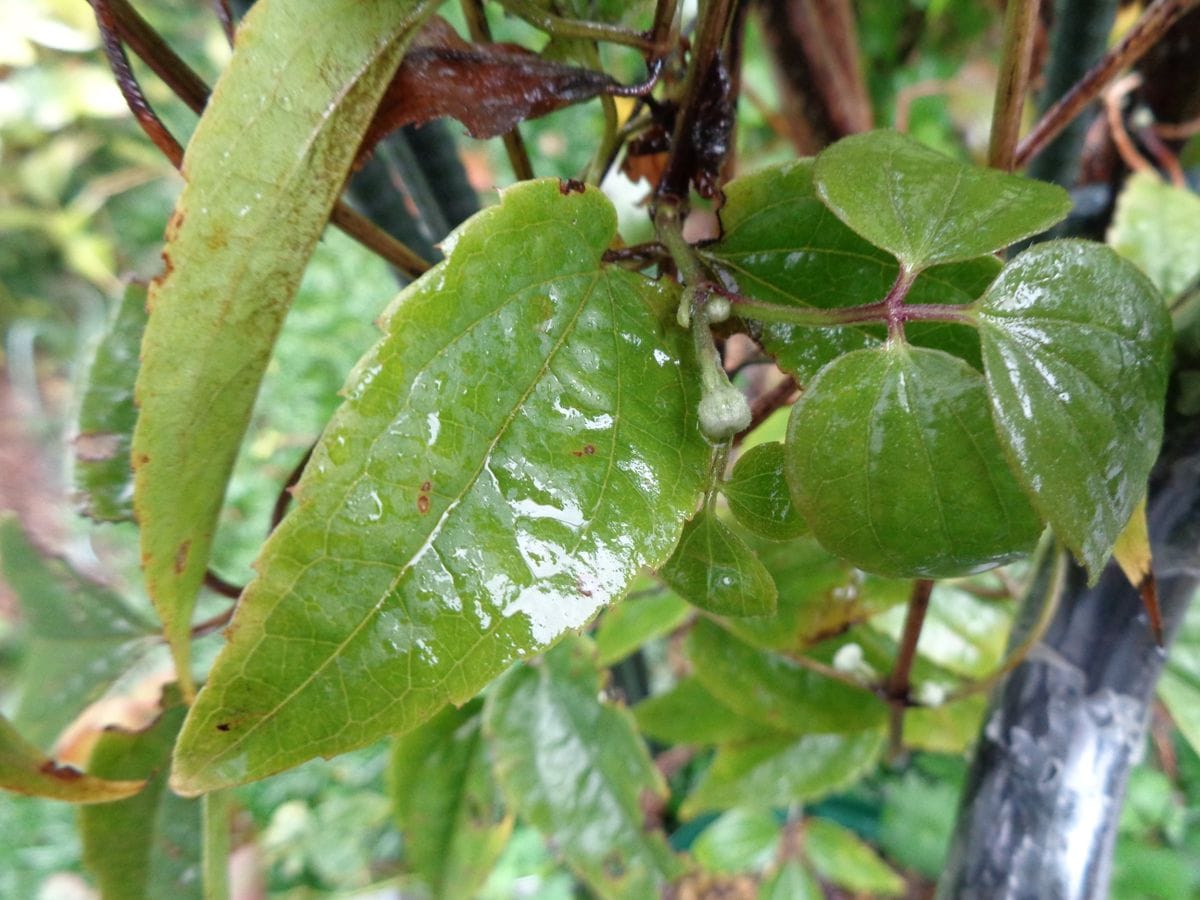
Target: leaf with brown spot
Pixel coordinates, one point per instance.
(24, 770)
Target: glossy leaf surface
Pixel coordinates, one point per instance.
(758, 494)
(775, 691)
(448, 805)
(147, 846)
(689, 714)
(574, 767)
(1076, 345)
(509, 456)
(1157, 226)
(843, 858)
(712, 568)
(926, 208)
(781, 244)
(784, 770)
(895, 463)
(638, 618)
(262, 171)
(104, 428)
(25, 770)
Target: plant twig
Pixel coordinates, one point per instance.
(225, 17)
(1153, 24)
(213, 623)
(219, 585)
(557, 26)
(820, 668)
(899, 682)
(1020, 28)
(1114, 98)
(285, 493)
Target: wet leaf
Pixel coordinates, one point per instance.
(926, 208)
(781, 244)
(448, 805)
(689, 714)
(639, 618)
(489, 88)
(775, 691)
(784, 770)
(759, 496)
(742, 840)
(147, 846)
(712, 568)
(24, 770)
(262, 171)
(1076, 345)
(80, 637)
(1157, 226)
(519, 444)
(895, 464)
(575, 768)
(844, 859)
(104, 428)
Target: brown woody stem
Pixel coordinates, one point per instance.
(1020, 26)
(899, 681)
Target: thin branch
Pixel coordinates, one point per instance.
(1153, 24)
(899, 682)
(1020, 28)
(215, 623)
(557, 26)
(1163, 155)
(284, 500)
(820, 668)
(219, 585)
(1114, 99)
(225, 17)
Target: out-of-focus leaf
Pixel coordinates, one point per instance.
(575, 768)
(950, 728)
(1076, 347)
(262, 171)
(781, 244)
(712, 568)
(1179, 687)
(81, 637)
(638, 618)
(103, 477)
(744, 839)
(843, 858)
(775, 691)
(915, 829)
(791, 882)
(1157, 226)
(147, 846)
(894, 461)
(784, 770)
(688, 714)
(926, 208)
(448, 805)
(25, 770)
(758, 494)
(519, 445)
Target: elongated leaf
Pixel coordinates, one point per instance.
(784, 770)
(775, 691)
(759, 495)
(80, 637)
(24, 770)
(742, 840)
(638, 618)
(448, 805)
(926, 208)
(1157, 226)
(781, 244)
(104, 430)
(263, 170)
(575, 768)
(843, 858)
(515, 449)
(1076, 345)
(713, 569)
(689, 714)
(895, 464)
(147, 846)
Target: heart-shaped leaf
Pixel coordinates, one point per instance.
(895, 463)
(759, 495)
(521, 442)
(1076, 347)
(712, 568)
(926, 208)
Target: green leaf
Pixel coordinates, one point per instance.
(742, 840)
(262, 171)
(758, 494)
(575, 768)
(25, 770)
(516, 448)
(714, 569)
(894, 461)
(775, 691)
(80, 637)
(638, 618)
(784, 770)
(1179, 687)
(819, 595)
(791, 882)
(104, 428)
(448, 805)
(1157, 226)
(950, 728)
(1076, 346)
(689, 714)
(147, 846)
(926, 208)
(780, 244)
(841, 857)
(915, 829)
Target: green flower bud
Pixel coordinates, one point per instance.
(723, 413)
